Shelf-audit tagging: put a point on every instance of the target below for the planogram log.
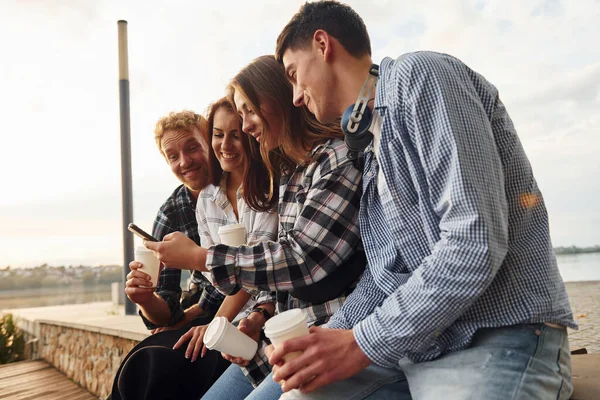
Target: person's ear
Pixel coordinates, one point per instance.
(322, 42)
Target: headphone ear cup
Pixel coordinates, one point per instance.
(345, 119)
(358, 140)
(364, 124)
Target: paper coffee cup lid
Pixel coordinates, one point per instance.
(142, 249)
(229, 228)
(214, 332)
(284, 322)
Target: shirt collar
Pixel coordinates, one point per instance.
(380, 102)
(221, 192)
(318, 147)
(221, 189)
(186, 196)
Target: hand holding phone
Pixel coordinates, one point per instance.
(136, 230)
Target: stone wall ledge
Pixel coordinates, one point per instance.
(104, 330)
(86, 342)
(89, 356)
(100, 317)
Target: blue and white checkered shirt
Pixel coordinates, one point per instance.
(459, 238)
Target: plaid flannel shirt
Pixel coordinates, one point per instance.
(318, 217)
(457, 238)
(178, 213)
(214, 210)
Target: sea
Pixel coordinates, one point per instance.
(573, 268)
(579, 267)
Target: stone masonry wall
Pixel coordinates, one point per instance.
(91, 359)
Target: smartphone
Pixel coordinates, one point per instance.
(136, 230)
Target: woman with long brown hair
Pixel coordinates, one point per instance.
(238, 186)
(318, 258)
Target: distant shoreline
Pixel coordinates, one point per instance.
(106, 288)
(65, 290)
(43, 298)
(582, 283)
(559, 251)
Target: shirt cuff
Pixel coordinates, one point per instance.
(210, 299)
(177, 313)
(338, 321)
(372, 339)
(221, 261)
(265, 297)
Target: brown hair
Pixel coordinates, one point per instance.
(255, 181)
(338, 20)
(264, 80)
(184, 121)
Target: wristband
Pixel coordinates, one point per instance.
(261, 310)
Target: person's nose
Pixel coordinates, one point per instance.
(227, 142)
(185, 161)
(247, 125)
(298, 96)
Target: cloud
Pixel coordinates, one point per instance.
(61, 141)
(547, 8)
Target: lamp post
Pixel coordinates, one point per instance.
(126, 192)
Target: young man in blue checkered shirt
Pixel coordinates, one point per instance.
(462, 298)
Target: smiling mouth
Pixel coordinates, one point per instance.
(191, 171)
(256, 136)
(229, 156)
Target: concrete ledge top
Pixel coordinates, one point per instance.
(110, 326)
(102, 317)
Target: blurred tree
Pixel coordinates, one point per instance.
(12, 344)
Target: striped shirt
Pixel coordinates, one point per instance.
(458, 239)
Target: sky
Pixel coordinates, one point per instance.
(59, 101)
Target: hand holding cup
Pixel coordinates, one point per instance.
(138, 285)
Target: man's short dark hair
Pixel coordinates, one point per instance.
(337, 19)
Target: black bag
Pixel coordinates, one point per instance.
(334, 284)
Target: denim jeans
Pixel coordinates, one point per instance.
(233, 385)
(518, 362)
(373, 383)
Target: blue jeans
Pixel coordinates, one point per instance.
(234, 385)
(373, 383)
(517, 362)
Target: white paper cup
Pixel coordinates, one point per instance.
(233, 235)
(221, 335)
(287, 325)
(150, 264)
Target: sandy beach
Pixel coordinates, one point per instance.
(585, 302)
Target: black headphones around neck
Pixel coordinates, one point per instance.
(358, 118)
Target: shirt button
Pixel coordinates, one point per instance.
(370, 174)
